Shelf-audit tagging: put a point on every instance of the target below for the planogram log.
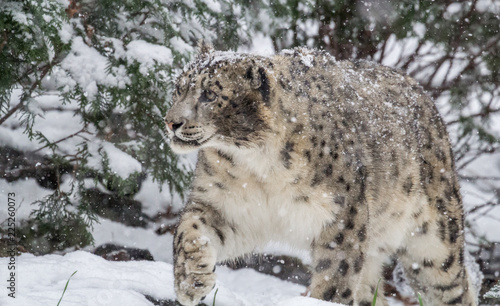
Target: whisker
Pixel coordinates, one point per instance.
(165, 137)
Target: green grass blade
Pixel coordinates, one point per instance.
(376, 292)
(66, 287)
(213, 304)
(420, 299)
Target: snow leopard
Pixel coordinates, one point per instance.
(349, 160)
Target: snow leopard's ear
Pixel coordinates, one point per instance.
(258, 80)
(256, 76)
(204, 49)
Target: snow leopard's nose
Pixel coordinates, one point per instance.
(173, 126)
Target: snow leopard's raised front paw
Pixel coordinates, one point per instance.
(194, 269)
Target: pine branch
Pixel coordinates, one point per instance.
(4, 40)
(83, 130)
(484, 113)
(27, 95)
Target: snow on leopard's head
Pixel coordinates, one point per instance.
(220, 99)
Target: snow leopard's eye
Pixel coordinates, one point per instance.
(180, 90)
(207, 96)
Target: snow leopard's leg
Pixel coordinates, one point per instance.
(434, 261)
(201, 233)
(344, 271)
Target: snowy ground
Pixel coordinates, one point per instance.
(41, 281)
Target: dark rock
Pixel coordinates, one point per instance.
(114, 252)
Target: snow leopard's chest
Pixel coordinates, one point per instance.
(273, 210)
(266, 203)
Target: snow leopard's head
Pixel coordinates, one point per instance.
(221, 99)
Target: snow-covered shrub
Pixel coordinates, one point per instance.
(494, 294)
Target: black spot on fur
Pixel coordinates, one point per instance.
(203, 220)
(362, 233)
(248, 74)
(425, 228)
(343, 267)
(328, 170)
(401, 251)
(230, 174)
(417, 214)
(440, 205)
(314, 141)
(350, 224)
(179, 238)
(442, 230)
(456, 301)
(201, 189)
(445, 266)
(329, 293)
(284, 85)
(285, 154)
(339, 238)
(307, 154)
(264, 87)
(361, 178)
(340, 200)
(428, 263)
(198, 284)
(220, 186)
(365, 303)
(446, 287)
(407, 186)
(302, 199)
(316, 180)
(347, 293)
(207, 168)
(195, 226)
(358, 264)
(453, 230)
(456, 191)
(298, 128)
(323, 265)
(220, 234)
(225, 156)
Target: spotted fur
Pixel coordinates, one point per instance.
(349, 160)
